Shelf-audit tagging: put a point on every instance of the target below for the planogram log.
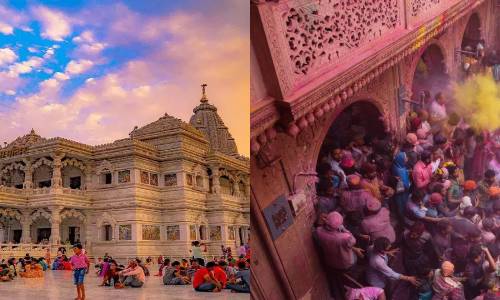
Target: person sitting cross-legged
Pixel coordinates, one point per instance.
(133, 276)
(241, 282)
(172, 275)
(204, 279)
(111, 274)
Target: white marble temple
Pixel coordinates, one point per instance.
(58, 285)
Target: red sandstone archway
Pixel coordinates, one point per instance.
(430, 73)
(361, 117)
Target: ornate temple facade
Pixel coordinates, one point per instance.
(318, 67)
(168, 184)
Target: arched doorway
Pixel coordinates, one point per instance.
(472, 33)
(361, 119)
(430, 75)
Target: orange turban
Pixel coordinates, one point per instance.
(447, 268)
(494, 191)
(470, 185)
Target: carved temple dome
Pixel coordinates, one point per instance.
(161, 126)
(27, 140)
(207, 120)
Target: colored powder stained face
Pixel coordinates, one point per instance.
(478, 101)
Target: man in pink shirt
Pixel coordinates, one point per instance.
(377, 221)
(422, 171)
(133, 276)
(80, 264)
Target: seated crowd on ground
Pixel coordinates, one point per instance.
(225, 272)
(415, 219)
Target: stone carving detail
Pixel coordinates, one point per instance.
(73, 213)
(106, 218)
(322, 33)
(9, 212)
(104, 166)
(418, 6)
(41, 213)
(75, 163)
(42, 161)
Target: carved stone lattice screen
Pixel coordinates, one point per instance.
(418, 6)
(323, 32)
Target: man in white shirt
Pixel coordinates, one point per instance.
(437, 112)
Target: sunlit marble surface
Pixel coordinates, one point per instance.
(58, 285)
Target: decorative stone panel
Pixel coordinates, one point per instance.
(124, 176)
(418, 6)
(173, 233)
(192, 232)
(154, 179)
(144, 177)
(151, 232)
(125, 232)
(215, 233)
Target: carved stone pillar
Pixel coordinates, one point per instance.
(28, 175)
(56, 171)
(215, 181)
(26, 226)
(55, 231)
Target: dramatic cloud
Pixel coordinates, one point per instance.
(7, 56)
(56, 26)
(78, 67)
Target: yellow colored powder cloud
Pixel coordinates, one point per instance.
(478, 101)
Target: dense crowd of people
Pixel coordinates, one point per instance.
(412, 219)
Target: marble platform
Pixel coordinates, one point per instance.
(58, 285)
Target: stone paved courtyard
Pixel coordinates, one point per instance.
(58, 285)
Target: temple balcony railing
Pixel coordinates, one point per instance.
(11, 196)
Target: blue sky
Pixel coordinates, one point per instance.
(84, 65)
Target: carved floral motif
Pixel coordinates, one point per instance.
(323, 33)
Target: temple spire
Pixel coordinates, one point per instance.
(204, 94)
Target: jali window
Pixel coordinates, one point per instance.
(151, 232)
(125, 232)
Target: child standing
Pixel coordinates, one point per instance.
(80, 264)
